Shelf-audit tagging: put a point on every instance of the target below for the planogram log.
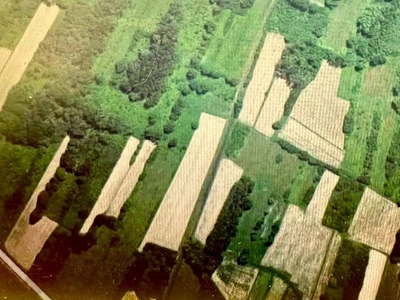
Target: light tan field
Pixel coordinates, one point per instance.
(26, 48)
(113, 184)
(375, 222)
(373, 275)
(25, 241)
(320, 199)
(277, 290)
(228, 173)
(263, 74)
(169, 224)
(240, 280)
(316, 122)
(130, 296)
(274, 107)
(131, 178)
(4, 56)
(303, 247)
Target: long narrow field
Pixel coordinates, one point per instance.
(113, 184)
(303, 241)
(373, 275)
(263, 73)
(315, 124)
(228, 173)
(25, 241)
(277, 290)
(274, 107)
(172, 217)
(375, 222)
(23, 53)
(130, 180)
(4, 56)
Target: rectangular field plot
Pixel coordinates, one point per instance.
(262, 76)
(169, 224)
(315, 124)
(23, 53)
(375, 222)
(131, 178)
(274, 107)
(303, 247)
(25, 241)
(228, 173)
(112, 185)
(373, 275)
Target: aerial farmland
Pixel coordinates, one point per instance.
(200, 149)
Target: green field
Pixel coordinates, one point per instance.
(342, 23)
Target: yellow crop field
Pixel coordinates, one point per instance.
(375, 222)
(228, 173)
(274, 107)
(263, 74)
(315, 124)
(25, 241)
(113, 184)
(26, 48)
(169, 224)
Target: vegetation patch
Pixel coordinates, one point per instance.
(343, 204)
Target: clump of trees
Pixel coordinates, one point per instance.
(377, 35)
(372, 146)
(205, 260)
(348, 272)
(149, 273)
(237, 6)
(343, 204)
(392, 173)
(144, 79)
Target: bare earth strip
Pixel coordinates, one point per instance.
(172, 217)
(373, 275)
(263, 73)
(113, 183)
(277, 290)
(274, 107)
(322, 194)
(375, 222)
(228, 173)
(25, 241)
(129, 183)
(303, 247)
(320, 111)
(4, 56)
(26, 48)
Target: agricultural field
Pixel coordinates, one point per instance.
(224, 149)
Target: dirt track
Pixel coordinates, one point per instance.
(113, 184)
(25, 241)
(26, 48)
(228, 173)
(172, 217)
(131, 178)
(263, 73)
